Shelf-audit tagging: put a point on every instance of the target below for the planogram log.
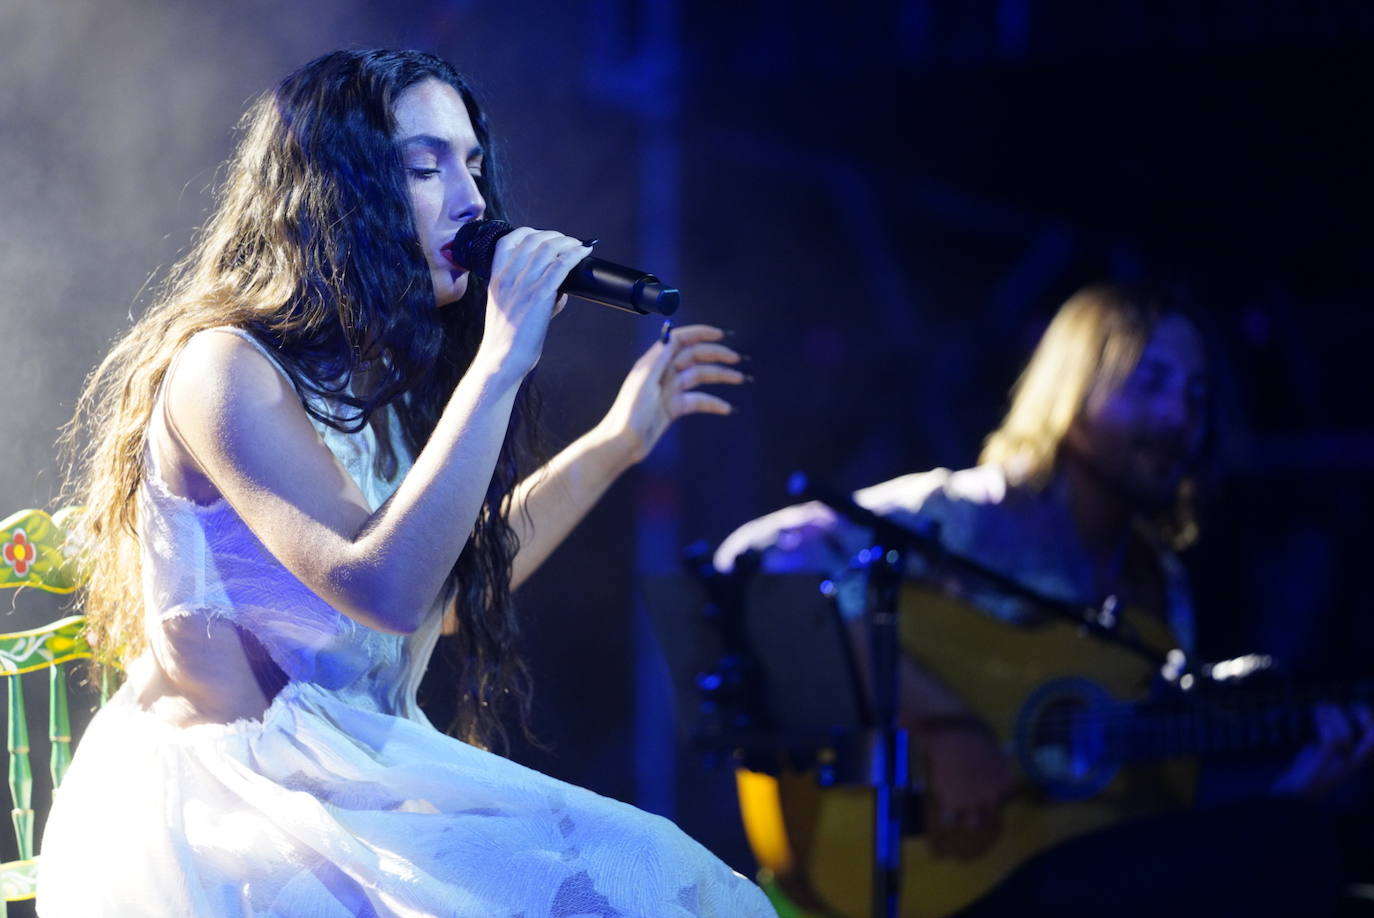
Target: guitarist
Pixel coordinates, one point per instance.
(1086, 490)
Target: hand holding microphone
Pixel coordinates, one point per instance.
(593, 279)
(664, 383)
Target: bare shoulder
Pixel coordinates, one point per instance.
(218, 362)
(219, 380)
(237, 416)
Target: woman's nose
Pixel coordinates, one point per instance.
(465, 201)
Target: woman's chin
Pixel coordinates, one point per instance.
(449, 288)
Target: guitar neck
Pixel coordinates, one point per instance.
(1231, 720)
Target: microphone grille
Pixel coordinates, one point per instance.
(474, 246)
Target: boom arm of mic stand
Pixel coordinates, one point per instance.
(1099, 621)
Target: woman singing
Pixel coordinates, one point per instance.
(309, 456)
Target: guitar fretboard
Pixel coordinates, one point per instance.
(1225, 720)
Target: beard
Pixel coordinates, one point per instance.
(1146, 471)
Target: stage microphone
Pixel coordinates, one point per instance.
(593, 279)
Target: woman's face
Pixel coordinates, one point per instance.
(442, 159)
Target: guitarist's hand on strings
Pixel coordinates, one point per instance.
(1344, 745)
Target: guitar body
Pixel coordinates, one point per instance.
(817, 842)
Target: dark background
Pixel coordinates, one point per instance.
(885, 201)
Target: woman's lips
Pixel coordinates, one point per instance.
(455, 270)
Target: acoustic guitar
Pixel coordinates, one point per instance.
(1092, 743)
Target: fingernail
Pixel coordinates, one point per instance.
(667, 331)
(729, 332)
(748, 378)
(590, 242)
(745, 357)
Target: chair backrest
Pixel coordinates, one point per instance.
(33, 553)
(29, 651)
(23, 652)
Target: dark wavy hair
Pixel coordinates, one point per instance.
(312, 248)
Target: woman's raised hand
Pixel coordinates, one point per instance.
(522, 295)
(663, 385)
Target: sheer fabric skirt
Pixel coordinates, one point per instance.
(326, 810)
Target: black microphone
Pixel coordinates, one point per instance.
(602, 282)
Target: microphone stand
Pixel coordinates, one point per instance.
(886, 559)
(888, 772)
(889, 765)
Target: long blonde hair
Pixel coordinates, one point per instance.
(312, 249)
(1093, 343)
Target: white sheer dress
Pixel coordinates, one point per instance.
(342, 800)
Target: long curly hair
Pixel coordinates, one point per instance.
(312, 248)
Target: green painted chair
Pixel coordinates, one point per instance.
(31, 549)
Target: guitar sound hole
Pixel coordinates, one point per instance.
(1065, 744)
(1062, 739)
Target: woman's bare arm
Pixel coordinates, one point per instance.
(244, 428)
(659, 389)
